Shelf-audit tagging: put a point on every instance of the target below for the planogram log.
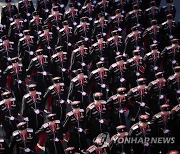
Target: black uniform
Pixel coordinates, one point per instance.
(75, 124)
(56, 100)
(60, 63)
(26, 50)
(118, 77)
(79, 90)
(104, 7)
(9, 111)
(42, 73)
(7, 14)
(6, 53)
(44, 8)
(53, 131)
(98, 118)
(26, 8)
(32, 107)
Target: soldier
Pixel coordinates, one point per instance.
(100, 144)
(36, 25)
(175, 121)
(134, 17)
(66, 38)
(157, 90)
(61, 5)
(116, 145)
(119, 106)
(168, 30)
(162, 127)
(117, 22)
(122, 5)
(72, 15)
(79, 89)
(80, 58)
(7, 51)
(152, 13)
(47, 41)
(99, 51)
(53, 140)
(98, 116)
(60, 63)
(168, 9)
(174, 87)
(26, 48)
(133, 41)
(55, 20)
(118, 74)
(9, 110)
(152, 62)
(99, 80)
(7, 13)
(115, 46)
(17, 73)
(101, 26)
(44, 8)
(16, 29)
(26, 8)
(32, 107)
(23, 139)
(152, 35)
(39, 70)
(83, 31)
(88, 10)
(138, 98)
(56, 98)
(136, 67)
(75, 124)
(141, 129)
(104, 6)
(170, 57)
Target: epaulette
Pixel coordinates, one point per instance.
(94, 71)
(134, 89)
(84, 7)
(95, 22)
(78, 26)
(34, 59)
(20, 2)
(110, 39)
(57, 121)
(163, 23)
(171, 77)
(81, 110)
(95, 44)
(41, 35)
(31, 37)
(38, 92)
(135, 126)
(113, 17)
(1, 102)
(70, 113)
(9, 67)
(51, 87)
(30, 130)
(61, 30)
(26, 95)
(11, 42)
(113, 65)
(91, 148)
(114, 138)
(91, 106)
(157, 115)
(15, 133)
(103, 102)
(45, 125)
(153, 82)
(12, 23)
(74, 79)
(76, 50)
(54, 55)
(45, 56)
(21, 39)
(169, 47)
(148, 54)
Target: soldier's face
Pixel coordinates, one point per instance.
(169, 20)
(33, 92)
(8, 4)
(101, 18)
(81, 47)
(81, 76)
(100, 40)
(71, 9)
(17, 20)
(46, 31)
(57, 84)
(36, 17)
(56, 12)
(15, 64)
(27, 36)
(121, 62)
(6, 42)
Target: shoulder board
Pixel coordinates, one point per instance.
(9, 67)
(34, 59)
(95, 22)
(94, 71)
(26, 95)
(41, 35)
(45, 125)
(57, 121)
(38, 92)
(61, 30)
(81, 110)
(114, 65)
(91, 148)
(148, 54)
(30, 130)
(70, 113)
(12, 23)
(51, 87)
(111, 38)
(168, 48)
(94, 44)
(103, 102)
(163, 23)
(55, 55)
(45, 56)
(91, 106)
(84, 7)
(157, 115)
(153, 82)
(11, 42)
(78, 26)
(15, 133)
(76, 50)
(1, 102)
(21, 39)
(171, 77)
(74, 79)
(135, 126)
